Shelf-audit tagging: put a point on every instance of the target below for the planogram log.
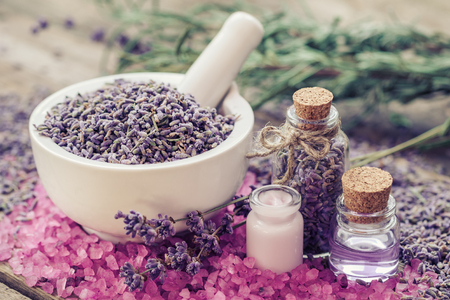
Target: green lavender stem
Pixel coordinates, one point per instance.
(437, 131)
(218, 207)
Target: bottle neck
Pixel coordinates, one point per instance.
(370, 222)
(295, 121)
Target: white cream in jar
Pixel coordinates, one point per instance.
(275, 228)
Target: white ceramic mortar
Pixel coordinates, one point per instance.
(91, 192)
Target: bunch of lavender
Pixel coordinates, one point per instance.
(182, 257)
(135, 123)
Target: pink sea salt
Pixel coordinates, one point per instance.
(72, 262)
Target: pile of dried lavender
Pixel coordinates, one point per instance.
(135, 123)
(424, 213)
(17, 171)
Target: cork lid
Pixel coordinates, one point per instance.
(366, 189)
(312, 103)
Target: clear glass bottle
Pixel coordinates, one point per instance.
(275, 228)
(365, 251)
(319, 183)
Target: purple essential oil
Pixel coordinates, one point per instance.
(365, 245)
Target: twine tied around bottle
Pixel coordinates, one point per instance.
(316, 144)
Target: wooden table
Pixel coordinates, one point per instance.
(57, 57)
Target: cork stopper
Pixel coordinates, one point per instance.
(312, 103)
(366, 190)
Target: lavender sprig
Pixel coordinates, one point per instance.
(181, 257)
(149, 230)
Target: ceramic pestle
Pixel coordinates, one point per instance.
(211, 75)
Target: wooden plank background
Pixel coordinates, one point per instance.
(57, 57)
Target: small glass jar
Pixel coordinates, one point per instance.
(318, 182)
(367, 249)
(275, 228)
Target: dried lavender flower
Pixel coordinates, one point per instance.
(133, 222)
(226, 224)
(69, 23)
(242, 208)
(133, 278)
(194, 266)
(98, 35)
(35, 29)
(43, 22)
(156, 268)
(178, 258)
(138, 225)
(195, 222)
(163, 225)
(135, 123)
(208, 243)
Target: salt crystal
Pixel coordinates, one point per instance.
(197, 280)
(28, 271)
(60, 285)
(231, 269)
(210, 292)
(106, 246)
(219, 296)
(47, 287)
(88, 272)
(40, 258)
(87, 263)
(378, 286)
(100, 285)
(327, 289)
(327, 275)
(139, 261)
(238, 280)
(46, 271)
(290, 297)
(111, 262)
(65, 267)
(312, 274)
(128, 296)
(86, 294)
(185, 293)
(142, 250)
(268, 274)
(223, 273)
(315, 289)
(63, 251)
(170, 286)
(65, 227)
(131, 249)
(81, 253)
(150, 287)
(254, 297)
(31, 280)
(95, 252)
(5, 253)
(67, 292)
(267, 291)
(121, 287)
(92, 238)
(249, 262)
(63, 236)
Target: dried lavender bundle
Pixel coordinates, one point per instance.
(319, 184)
(135, 123)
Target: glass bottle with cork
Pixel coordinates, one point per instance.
(310, 155)
(364, 237)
